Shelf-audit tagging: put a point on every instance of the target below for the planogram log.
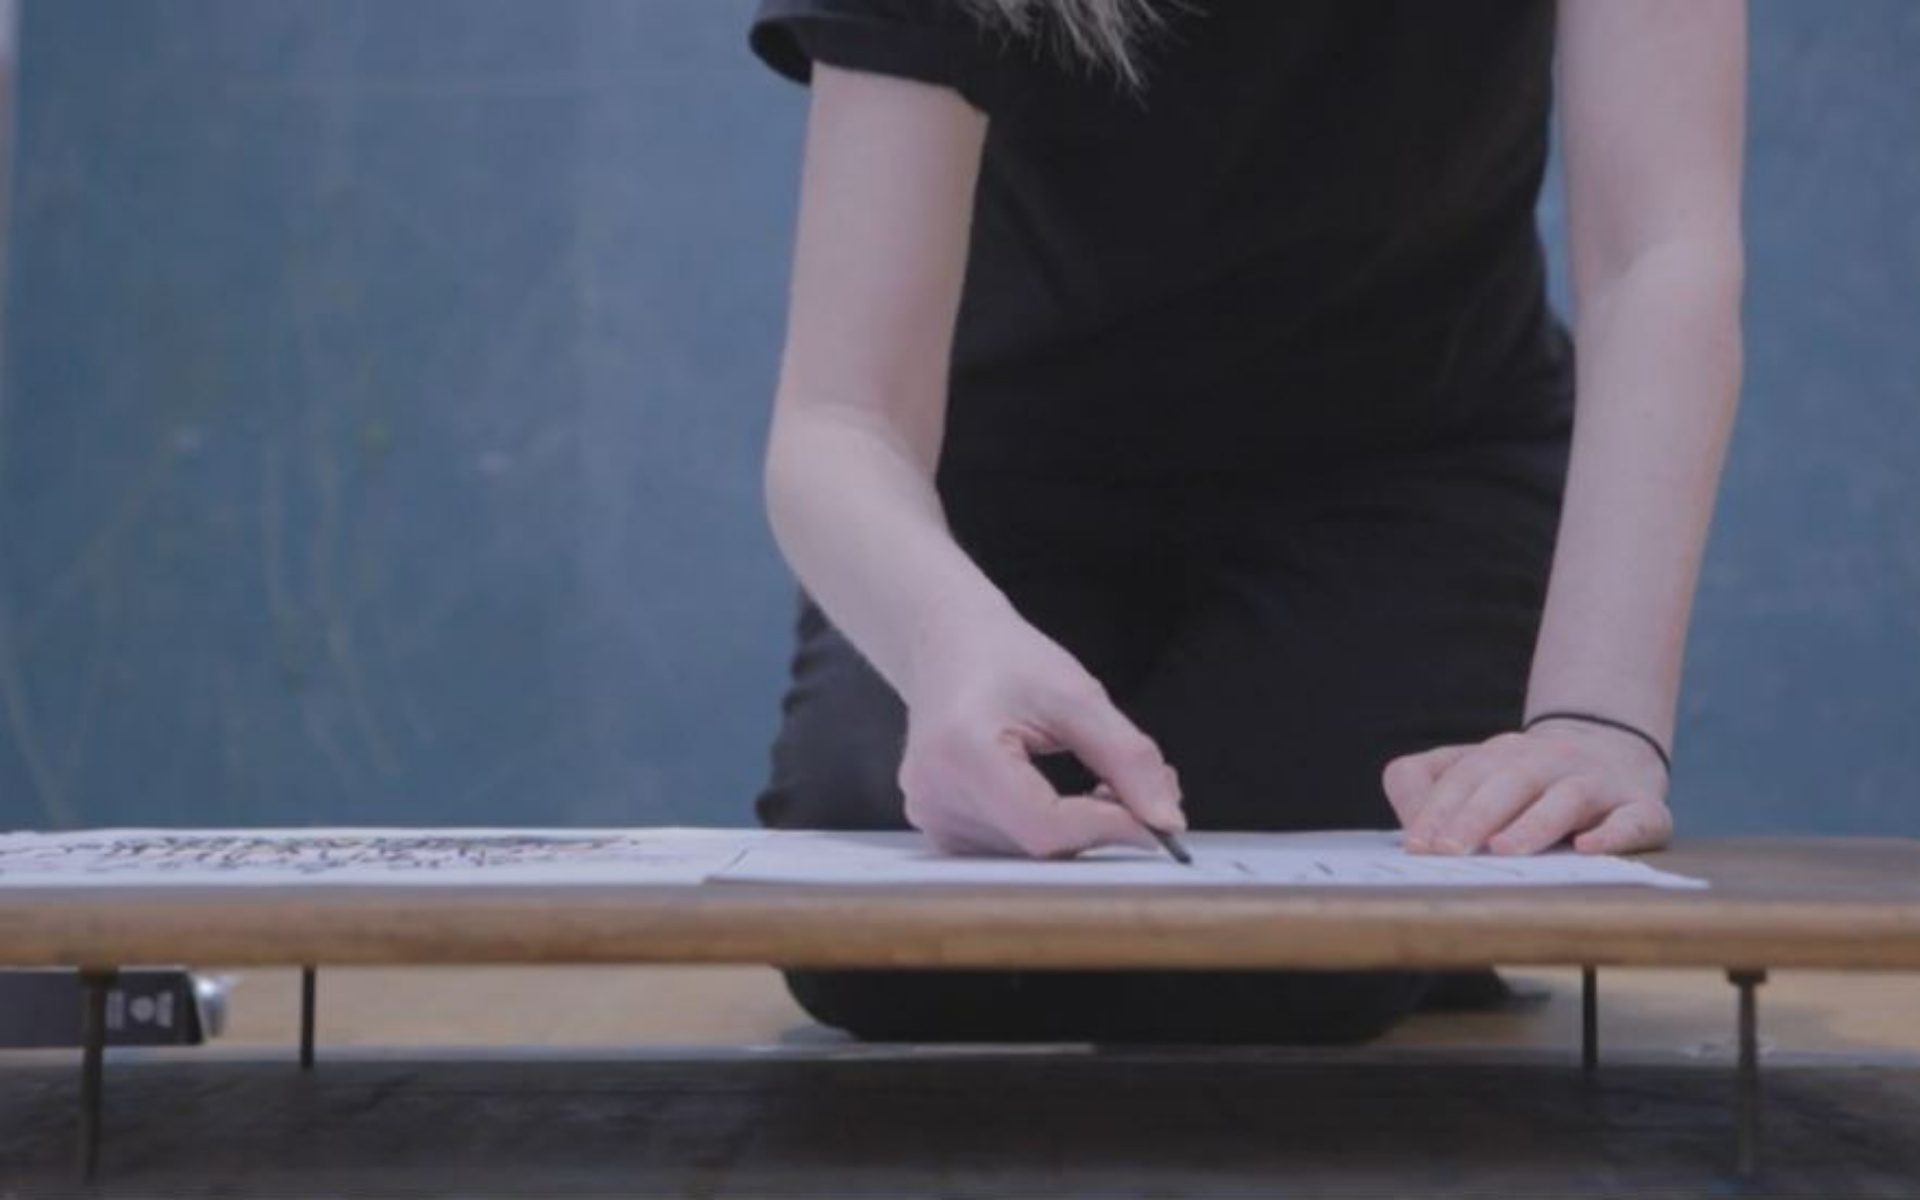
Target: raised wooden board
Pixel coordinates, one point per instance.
(1837, 903)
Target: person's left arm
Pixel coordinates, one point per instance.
(1652, 97)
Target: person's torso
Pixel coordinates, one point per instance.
(1313, 225)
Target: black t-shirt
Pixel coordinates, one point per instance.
(1310, 233)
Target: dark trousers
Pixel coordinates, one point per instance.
(1280, 638)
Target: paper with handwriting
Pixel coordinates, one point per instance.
(351, 857)
(690, 857)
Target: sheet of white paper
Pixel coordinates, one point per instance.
(350, 857)
(559, 857)
(1358, 859)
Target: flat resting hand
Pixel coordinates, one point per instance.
(1522, 793)
(982, 706)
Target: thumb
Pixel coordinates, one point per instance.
(1125, 759)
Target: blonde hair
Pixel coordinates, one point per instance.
(1100, 33)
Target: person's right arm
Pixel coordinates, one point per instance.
(885, 209)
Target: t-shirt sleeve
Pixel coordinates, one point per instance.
(937, 42)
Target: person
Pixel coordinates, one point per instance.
(1173, 431)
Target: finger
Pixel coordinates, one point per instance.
(1500, 798)
(1408, 780)
(1126, 759)
(1564, 809)
(966, 793)
(952, 829)
(1451, 791)
(933, 804)
(1640, 825)
(1092, 822)
(1019, 801)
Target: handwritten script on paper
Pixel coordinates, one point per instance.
(689, 857)
(281, 857)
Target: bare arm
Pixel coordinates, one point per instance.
(886, 204)
(886, 200)
(1652, 97)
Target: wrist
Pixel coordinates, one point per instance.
(943, 628)
(1652, 747)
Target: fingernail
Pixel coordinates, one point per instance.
(1167, 811)
(1450, 846)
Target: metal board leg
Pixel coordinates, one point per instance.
(309, 986)
(1589, 1021)
(94, 986)
(1747, 1082)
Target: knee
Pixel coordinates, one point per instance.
(917, 1006)
(1294, 1008)
(836, 755)
(847, 1001)
(1345, 1009)
(1255, 1008)
(826, 786)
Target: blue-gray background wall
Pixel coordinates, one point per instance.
(384, 383)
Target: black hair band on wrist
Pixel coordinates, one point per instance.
(1666, 760)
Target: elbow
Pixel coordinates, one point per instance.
(781, 471)
(823, 447)
(1709, 257)
(1720, 262)
(1697, 278)
(817, 447)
